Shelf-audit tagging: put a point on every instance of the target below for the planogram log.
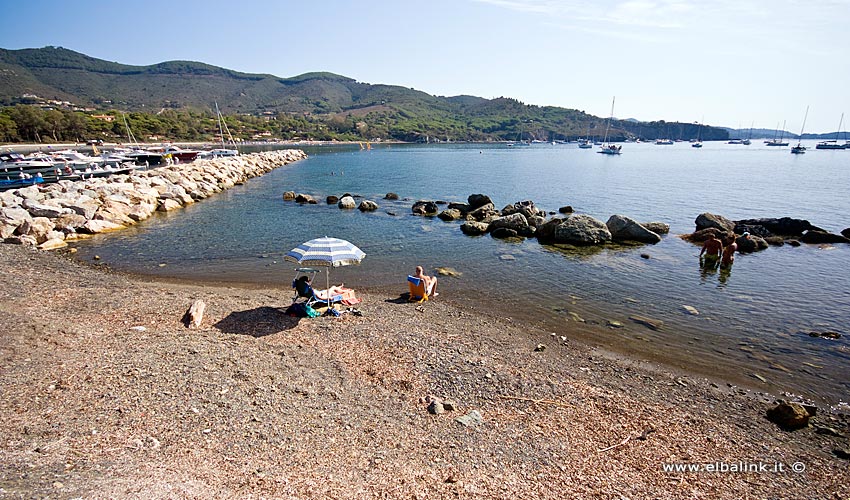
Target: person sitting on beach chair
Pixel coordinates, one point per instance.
(421, 285)
(337, 294)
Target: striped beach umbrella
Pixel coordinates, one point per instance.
(330, 252)
(327, 252)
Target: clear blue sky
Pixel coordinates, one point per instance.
(732, 61)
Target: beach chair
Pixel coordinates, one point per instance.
(418, 292)
(303, 289)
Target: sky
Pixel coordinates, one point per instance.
(732, 63)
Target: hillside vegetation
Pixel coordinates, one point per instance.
(174, 100)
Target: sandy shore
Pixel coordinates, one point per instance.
(104, 393)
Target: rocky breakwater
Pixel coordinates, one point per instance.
(49, 216)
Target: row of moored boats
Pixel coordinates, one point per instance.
(17, 170)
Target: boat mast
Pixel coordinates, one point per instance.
(129, 133)
(805, 117)
(220, 131)
(607, 128)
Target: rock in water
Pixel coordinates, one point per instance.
(581, 230)
(346, 203)
(652, 324)
(691, 310)
(626, 229)
(707, 220)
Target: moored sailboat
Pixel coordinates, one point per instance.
(833, 144)
(799, 148)
(607, 148)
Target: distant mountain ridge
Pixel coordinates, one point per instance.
(56, 73)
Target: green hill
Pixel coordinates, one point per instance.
(335, 106)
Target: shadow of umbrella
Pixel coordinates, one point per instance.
(257, 322)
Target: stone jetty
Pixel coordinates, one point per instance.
(49, 216)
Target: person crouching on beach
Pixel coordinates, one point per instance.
(430, 281)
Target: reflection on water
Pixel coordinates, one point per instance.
(750, 324)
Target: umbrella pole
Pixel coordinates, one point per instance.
(328, 289)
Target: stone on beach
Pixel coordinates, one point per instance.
(789, 416)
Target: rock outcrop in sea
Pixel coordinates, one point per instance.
(48, 216)
(761, 232)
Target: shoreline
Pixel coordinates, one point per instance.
(106, 393)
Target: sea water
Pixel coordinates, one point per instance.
(753, 321)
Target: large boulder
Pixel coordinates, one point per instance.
(582, 230)
(332, 199)
(525, 208)
(784, 226)
(546, 231)
(391, 196)
(478, 200)
(167, 205)
(623, 228)
(7, 230)
(288, 195)
(789, 416)
(707, 220)
(14, 216)
(39, 228)
(347, 203)
(484, 213)
(37, 209)
(473, 228)
(305, 198)
(425, 207)
(450, 214)
(750, 243)
(69, 223)
(368, 206)
(657, 227)
(515, 222)
(819, 237)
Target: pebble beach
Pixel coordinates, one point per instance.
(106, 393)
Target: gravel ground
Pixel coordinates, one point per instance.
(104, 393)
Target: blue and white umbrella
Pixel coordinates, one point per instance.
(327, 252)
(330, 252)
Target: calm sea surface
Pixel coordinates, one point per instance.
(753, 321)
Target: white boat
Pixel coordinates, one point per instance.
(663, 142)
(607, 148)
(799, 148)
(585, 144)
(833, 144)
